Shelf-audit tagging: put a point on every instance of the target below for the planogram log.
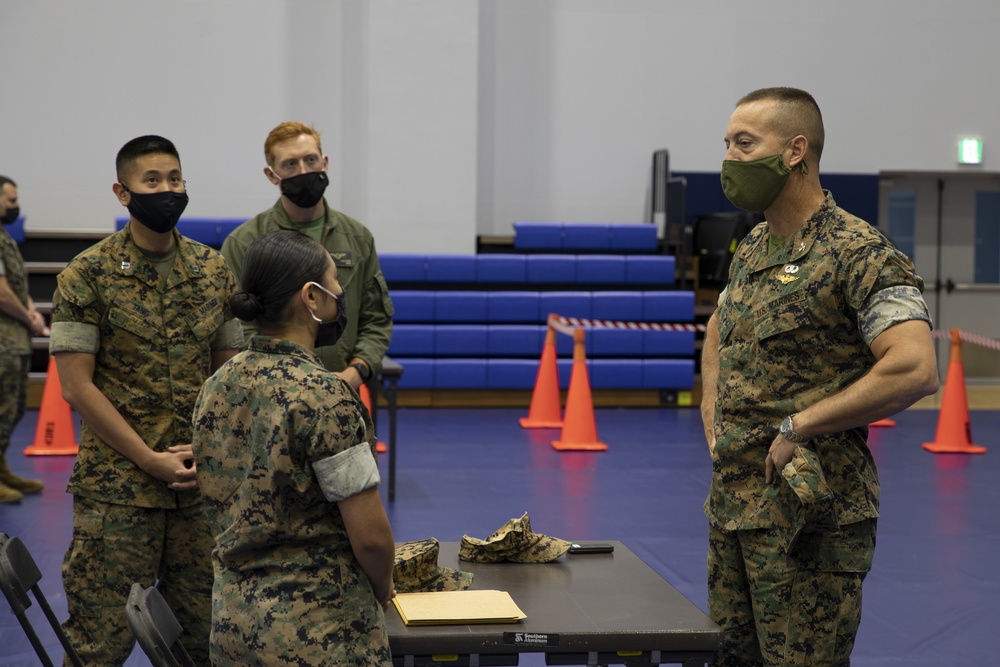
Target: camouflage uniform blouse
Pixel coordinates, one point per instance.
(152, 344)
(369, 308)
(15, 339)
(794, 328)
(279, 440)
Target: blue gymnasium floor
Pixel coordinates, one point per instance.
(933, 597)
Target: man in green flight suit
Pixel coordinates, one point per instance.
(139, 321)
(297, 165)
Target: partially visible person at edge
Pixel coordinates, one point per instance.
(820, 331)
(139, 321)
(297, 165)
(19, 321)
(303, 551)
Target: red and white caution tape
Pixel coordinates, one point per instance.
(612, 324)
(967, 337)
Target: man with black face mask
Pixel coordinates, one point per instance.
(19, 320)
(821, 331)
(139, 321)
(297, 167)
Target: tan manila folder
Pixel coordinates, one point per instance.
(457, 608)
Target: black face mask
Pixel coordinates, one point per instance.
(330, 331)
(11, 216)
(305, 190)
(159, 211)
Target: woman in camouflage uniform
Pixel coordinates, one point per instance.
(303, 550)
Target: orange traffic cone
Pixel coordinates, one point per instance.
(883, 422)
(579, 431)
(954, 432)
(544, 410)
(54, 434)
(366, 398)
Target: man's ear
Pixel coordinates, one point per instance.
(271, 176)
(122, 194)
(800, 148)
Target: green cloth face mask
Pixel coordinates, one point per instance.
(754, 185)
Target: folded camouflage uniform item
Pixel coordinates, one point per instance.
(817, 511)
(417, 571)
(515, 542)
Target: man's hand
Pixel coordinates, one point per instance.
(37, 326)
(351, 376)
(176, 467)
(778, 456)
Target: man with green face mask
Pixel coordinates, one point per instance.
(820, 331)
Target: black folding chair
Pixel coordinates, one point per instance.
(156, 628)
(18, 575)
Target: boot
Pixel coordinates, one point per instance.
(9, 495)
(12, 482)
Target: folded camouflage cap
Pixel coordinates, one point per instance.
(818, 502)
(515, 542)
(416, 570)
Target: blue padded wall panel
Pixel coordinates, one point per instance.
(622, 306)
(633, 236)
(459, 306)
(667, 374)
(614, 343)
(412, 340)
(459, 373)
(666, 343)
(650, 269)
(513, 307)
(538, 235)
(412, 305)
(615, 373)
(675, 306)
(403, 268)
(600, 269)
(451, 268)
(16, 229)
(584, 236)
(501, 268)
(512, 340)
(460, 340)
(419, 373)
(564, 368)
(567, 304)
(564, 345)
(511, 373)
(551, 268)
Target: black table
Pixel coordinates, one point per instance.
(594, 609)
(384, 382)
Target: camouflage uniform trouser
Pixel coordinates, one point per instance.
(115, 546)
(13, 395)
(798, 609)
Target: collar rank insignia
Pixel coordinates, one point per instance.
(126, 265)
(802, 246)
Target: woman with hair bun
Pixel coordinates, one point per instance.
(303, 552)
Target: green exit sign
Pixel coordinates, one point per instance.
(970, 150)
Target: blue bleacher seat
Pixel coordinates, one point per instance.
(664, 306)
(615, 373)
(459, 306)
(459, 373)
(460, 340)
(538, 235)
(412, 340)
(551, 268)
(451, 268)
(633, 236)
(514, 307)
(650, 269)
(419, 373)
(600, 269)
(403, 268)
(567, 304)
(667, 374)
(613, 343)
(619, 306)
(210, 231)
(667, 343)
(511, 373)
(586, 236)
(515, 340)
(413, 305)
(501, 268)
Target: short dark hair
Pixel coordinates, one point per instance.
(275, 268)
(145, 145)
(798, 113)
(4, 180)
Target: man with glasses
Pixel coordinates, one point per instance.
(297, 166)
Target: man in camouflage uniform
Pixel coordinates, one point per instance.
(19, 320)
(296, 164)
(286, 461)
(139, 321)
(821, 330)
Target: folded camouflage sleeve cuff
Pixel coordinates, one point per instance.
(74, 337)
(229, 336)
(888, 307)
(348, 473)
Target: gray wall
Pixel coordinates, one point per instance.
(445, 119)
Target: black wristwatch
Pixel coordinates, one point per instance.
(362, 370)
(787, 430)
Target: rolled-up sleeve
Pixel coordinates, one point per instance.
(348, 473)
